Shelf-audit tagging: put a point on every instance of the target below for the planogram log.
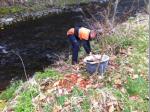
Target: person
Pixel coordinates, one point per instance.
(78, 36)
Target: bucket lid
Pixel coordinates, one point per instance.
(93, 59)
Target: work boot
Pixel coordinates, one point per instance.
(74, 63)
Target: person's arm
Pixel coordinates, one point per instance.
(86, 45)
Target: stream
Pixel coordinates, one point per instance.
(40, 42)
(37, 42)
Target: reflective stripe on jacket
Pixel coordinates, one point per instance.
(83, 33)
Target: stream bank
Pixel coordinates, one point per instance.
(40, 41)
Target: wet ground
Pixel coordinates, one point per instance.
(42, 41)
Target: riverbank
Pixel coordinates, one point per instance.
(40, 40)
(124, 87)
(30, 11)
(12, 14)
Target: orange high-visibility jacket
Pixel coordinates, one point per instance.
(83, 33)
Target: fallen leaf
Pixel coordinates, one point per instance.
(83, 83)
(56, 84)
(113, 57)
(99, 85)
(42, 97)
(135, 111)
(64, 83)
(135, 76)
(134, 97)
(73, 78)
(76, 67)
(130, 70)
(2, 104)
(113, 65)
(123, 90)
(123, 51)
(129, 50)
(118, 81)
(112, 103)
(57, 108)
(111, 108)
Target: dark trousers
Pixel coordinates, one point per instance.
(76, 42)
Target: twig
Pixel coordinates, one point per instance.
(114, 14)
(24, 69)
(107, 23)
(98, 41)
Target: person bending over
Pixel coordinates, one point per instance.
(80, 36)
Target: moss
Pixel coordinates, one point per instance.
(4, 10)
(11, 10)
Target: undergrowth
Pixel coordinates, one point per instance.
(11, 10)
(25, 100)
(9, 92)
(53, 74)
(127, 81)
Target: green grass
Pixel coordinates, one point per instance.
(48, 108)
(9, 92)
(138, 60)
(61, 100)
(85, 105)
(24, 103)
(121, 41)
(137, 39)
(124, 98)
(48, 73)
(33, 6)
(77, 92)
(137, 86)
(75, 109)
(130, 105)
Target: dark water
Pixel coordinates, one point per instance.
(39, 42)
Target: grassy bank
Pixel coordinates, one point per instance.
(66, 89)
(33, 6)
